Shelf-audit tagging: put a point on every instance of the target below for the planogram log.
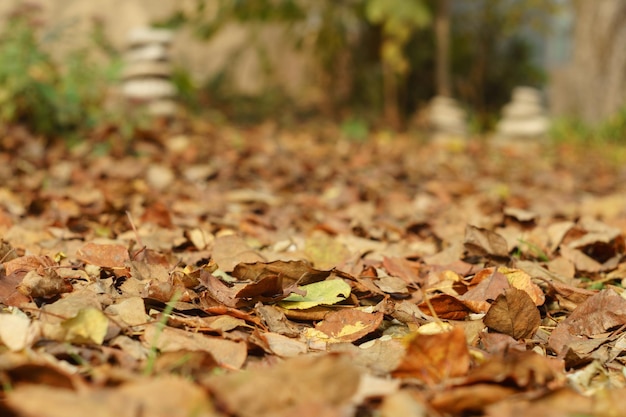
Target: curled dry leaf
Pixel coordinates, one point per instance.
(292, 272)
(513, 313)
(483, 242)
(49, 284)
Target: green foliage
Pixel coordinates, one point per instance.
(399, 19)
(355, 129)
(613, 130)
(51, 98)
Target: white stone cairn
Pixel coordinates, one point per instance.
(447, 118)
(525, 116)
(147, 73)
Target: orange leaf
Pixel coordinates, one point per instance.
(446, 307)
(106, 256)
(434, 358)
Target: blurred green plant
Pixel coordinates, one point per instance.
(355, 129)
(612, 130)
(52, 98)
(398, 19)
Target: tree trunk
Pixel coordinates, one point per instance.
(593, 85)
(442, 36)
(391, 109)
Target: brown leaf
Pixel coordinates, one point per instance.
(283, 346)
(392, 285)
(469, 399)
(525, 369)
(513, 313)
(166, 396)
(40, 374)
(581, 261)
(304, 380)
(9, 294)
(557, 231)
(269, 288)
(435, 358)
(349, 325)
(275, 280)
(106, 256)
(189, 363)
(276, 321)
(27, 263)
(401, 268)
(569, 297)
(596, 315)
(483, 242)
(479, 298)
(217, 291)
(563, 402)
(227, 353)
(47, 285)
(291, 272)
(446, 307)
(231, 250)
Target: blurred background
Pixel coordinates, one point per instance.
(362, 63)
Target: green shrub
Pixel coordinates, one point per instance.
(51, 98)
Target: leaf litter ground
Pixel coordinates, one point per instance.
(215, 271)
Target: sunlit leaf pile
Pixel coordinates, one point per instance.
(215, 271)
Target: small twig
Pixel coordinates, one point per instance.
(137, 237)
(132, 225)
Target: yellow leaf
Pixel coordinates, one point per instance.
(88, 326)
(522, 281)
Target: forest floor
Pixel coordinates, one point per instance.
(250, 272)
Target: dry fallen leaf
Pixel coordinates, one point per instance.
(594, 316)
(167, 396)
(482, 242)
(349, 325)
(513, 313)
(227, 353)
(88, 326)
(298, 382)
(104, 255)
(434, 359)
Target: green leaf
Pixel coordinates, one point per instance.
(319, 293)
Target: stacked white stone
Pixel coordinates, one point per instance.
(147, 73)
(446, 117)
(525, 116)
